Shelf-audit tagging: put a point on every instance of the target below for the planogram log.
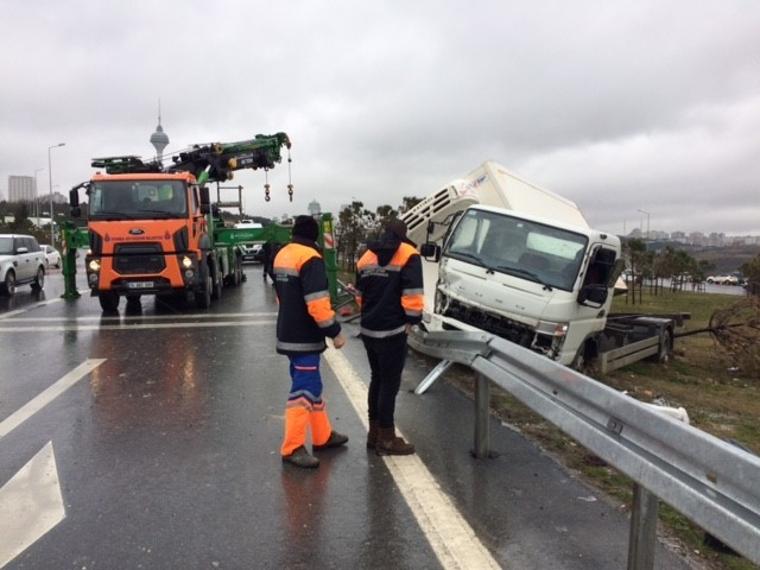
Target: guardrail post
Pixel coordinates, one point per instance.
(482, 405)
(643, 536)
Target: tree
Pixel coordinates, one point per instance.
(751, 271)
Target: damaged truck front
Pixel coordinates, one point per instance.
(524, 278)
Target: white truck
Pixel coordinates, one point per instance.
(505, 256)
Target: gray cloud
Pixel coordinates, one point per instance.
(618, 106)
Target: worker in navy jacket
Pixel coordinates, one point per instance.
(304, 320)
(389, 283)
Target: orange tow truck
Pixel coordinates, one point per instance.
(153, 230)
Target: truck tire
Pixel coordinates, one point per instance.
(216, 291)
(666, 347)
(39, 281)
(8, 286)
(203, 292)
(109, 301)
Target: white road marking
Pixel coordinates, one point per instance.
(34, 306)
(48, 395)
(31, 504)
(135, 327)
(127, 318)
(452, 539)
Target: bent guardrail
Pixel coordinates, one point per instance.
(712, 482)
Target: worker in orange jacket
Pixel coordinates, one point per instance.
(304, 320)
(389, 283)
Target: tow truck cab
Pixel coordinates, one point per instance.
(148, 235)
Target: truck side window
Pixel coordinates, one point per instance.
(600, 267)
(195, 198)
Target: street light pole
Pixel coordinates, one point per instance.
(647, 215)
(36, 196)
(50, 180)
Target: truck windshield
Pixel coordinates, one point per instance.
(6, 246)
(525, 249)
(138, 199)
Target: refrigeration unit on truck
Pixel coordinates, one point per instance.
(505, 256)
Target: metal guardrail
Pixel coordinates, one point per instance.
(713, 483)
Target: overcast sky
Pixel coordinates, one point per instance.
(618, 106)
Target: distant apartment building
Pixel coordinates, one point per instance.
(21, 189)
(679, 237)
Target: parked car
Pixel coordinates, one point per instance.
(247, 225)
(52, 256)
(253, 252)
(722, 280)
(22, 262)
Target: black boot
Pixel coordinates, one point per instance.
(301, 458)
(372, 434)
(388, 443)
(335, 440)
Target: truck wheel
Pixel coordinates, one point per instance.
(216, 291)
(666, 347)
(8, 286)
(203, 292)
(109, 301)
(39, 281)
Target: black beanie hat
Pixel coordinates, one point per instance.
(306, 227)
(397, 228)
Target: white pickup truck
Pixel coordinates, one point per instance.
(505, 256)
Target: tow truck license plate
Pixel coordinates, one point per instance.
(140, 284)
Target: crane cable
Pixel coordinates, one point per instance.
(267, 197)
(290, 181)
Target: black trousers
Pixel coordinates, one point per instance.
(386, 360)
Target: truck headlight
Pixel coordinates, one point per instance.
(94, 265)
(187, 263)
(552, 328)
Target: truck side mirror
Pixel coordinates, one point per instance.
(593, 296)
(205, 200)
(76, 211)
(431, 251)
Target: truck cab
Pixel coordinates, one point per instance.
(525, 278)
(148, 235)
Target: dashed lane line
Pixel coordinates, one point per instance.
(48, 395)
(127, 318)
(134, 327)
(452, 539)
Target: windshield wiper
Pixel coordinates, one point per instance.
(161, 213)
(112, 214)
(529, 274)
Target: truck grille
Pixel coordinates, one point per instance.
(138, 258)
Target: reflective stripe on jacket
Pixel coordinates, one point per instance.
(391, 295)
(306, 316)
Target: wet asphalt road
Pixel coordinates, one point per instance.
(167, 453)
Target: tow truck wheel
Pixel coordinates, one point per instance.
(203, 293)
(109, 301)
(216, 291)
